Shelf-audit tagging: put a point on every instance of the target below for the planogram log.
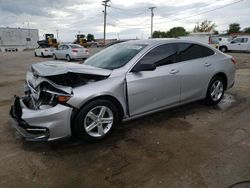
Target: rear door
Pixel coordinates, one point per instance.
(149, 90)
(58, 51)
(196, 68)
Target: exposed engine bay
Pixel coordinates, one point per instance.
(42, 92)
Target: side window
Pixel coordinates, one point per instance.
(237, 40)
(244, 40)
(162, 55)
(60, 47)
(188, 51)
(65, 47)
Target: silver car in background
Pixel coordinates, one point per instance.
(122, 82)
(70, 52)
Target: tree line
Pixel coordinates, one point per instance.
(205, 26)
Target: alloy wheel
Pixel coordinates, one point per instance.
(216, 90)
(98, 121)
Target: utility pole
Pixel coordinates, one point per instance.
(105, 15)
(57, 35)
(152, 15)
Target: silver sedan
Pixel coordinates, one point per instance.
(70, 52)
(122, 82)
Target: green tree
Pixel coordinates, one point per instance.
(247, 30)
(172, 33)
(90, 37)
(159, 34)
(205, 26)
(234, 28)
(177, 32)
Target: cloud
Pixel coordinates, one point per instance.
(130, 19)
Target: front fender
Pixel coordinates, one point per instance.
(112, 86)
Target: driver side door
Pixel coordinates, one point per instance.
(154, 89)
(235, 44)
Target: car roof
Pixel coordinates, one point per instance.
(161, 40)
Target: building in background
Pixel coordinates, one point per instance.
(18, 39)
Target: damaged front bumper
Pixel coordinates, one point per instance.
(41, 125)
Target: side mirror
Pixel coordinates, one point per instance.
(232, 42)
(143, 67)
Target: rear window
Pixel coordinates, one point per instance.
(75, 46)
(189, 51)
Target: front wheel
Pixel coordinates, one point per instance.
(223, 49)
(96, 120)
(215, 90)
(68, 58)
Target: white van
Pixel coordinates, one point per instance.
(237, 44)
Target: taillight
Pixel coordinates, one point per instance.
(46, 50)
(86, 50)
(74, 50)
(233, 60)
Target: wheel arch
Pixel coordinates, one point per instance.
(223, 46)
(222, 75)
(111, 98)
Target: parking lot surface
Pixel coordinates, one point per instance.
(190, 146)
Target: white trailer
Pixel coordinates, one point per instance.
(18, 39)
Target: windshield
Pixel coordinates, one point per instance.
(115, 56)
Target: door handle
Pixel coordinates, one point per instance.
(207, 64)
(174, 71)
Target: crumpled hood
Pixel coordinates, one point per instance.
(51, 68)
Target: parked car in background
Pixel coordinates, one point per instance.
(44, 51)
(121, 82)
(70, 52)
(237, 44)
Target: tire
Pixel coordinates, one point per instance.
(223, 49)
(54, 57)
(42, 54)
(68, 58)
(92, 114)
(215, 91)
(35, 54)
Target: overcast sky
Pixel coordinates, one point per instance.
(125, 18)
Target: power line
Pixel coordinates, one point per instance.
(202, 12)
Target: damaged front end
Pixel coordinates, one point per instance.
(43, 112)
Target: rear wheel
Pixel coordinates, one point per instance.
(54, 57)
(215, 90)
(42, 54)
(35, 54)
(68, 58)
(96, 120)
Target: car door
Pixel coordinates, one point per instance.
(235, 44)
(150, 90)
(65, 51)
(58, 51)
(244, 44)
(196, 68)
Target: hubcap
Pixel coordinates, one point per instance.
(98, 121)
(217, 90)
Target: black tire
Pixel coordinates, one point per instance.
(210, 98)
(223, 49)
(68, 58)
(54, 57)
(42, 54)
(35, 54)
(79, 127)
